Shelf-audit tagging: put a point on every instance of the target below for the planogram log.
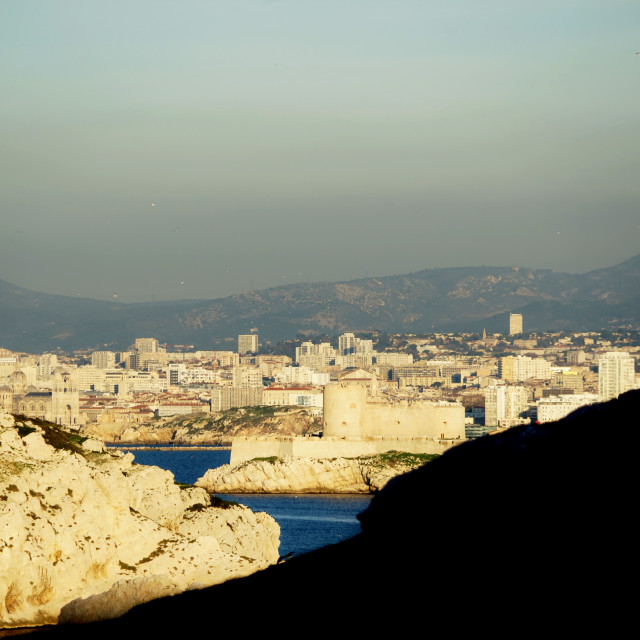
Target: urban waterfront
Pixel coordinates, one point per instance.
(307, 522)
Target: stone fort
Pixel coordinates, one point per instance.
(358, 420)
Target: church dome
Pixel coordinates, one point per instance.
(18, 382)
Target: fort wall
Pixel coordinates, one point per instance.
(350, 413)
(248, 448)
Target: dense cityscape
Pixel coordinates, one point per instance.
(502, 380)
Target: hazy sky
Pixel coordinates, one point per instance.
(306, 140)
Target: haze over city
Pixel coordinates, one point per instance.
(165, 150)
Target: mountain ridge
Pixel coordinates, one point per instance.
(439, 299)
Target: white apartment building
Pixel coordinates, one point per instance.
(394, 359)
(315, 356)
(146, 345)
(616, 374)
(176, 373)
(519, 368)
(557, 407)
(46, 364)
(200, 375)
(248, 343)
(223, 398)
(302, 375)
(504, 405)
(247, 377)
(228, 359)
(576, 357)
(346, 344)
(292, 397)
(103, 359)
(90, 378)
(515, 324)
(360, 361)
(364, 347)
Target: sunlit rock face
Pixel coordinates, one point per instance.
(304, 475)
(91, 532)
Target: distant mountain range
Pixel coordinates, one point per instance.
(452, 299)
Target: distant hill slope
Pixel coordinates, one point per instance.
(460, 298)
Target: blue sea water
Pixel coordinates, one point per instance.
(186, 465)
(307, 522)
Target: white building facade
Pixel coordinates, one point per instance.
(616, 374)
(557, 407)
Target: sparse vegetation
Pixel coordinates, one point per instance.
(214, 501)
(395, 459)
(219, 503)
(9, 468)
(54, 435)
(159, 550)
(25, 430)
(127, 567)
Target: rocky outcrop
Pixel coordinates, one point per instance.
(310, 475)
(90, 534)
(210, 428)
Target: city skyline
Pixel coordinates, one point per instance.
(194, 150)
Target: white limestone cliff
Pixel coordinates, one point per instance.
(309, 475)
(91, 534)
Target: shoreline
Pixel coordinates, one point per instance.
(166, 447)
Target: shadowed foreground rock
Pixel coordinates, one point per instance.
(527, 531)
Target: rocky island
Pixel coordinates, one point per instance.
(364, 474)
(85, 534)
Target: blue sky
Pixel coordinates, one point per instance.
(175, 149)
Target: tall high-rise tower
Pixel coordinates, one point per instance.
(147, 345)
(248, 343)
(616, 374)
(515, 323)
(346, 344)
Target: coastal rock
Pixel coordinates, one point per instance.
(91, 533)
(210, 428)
(235, 531)
(310, 475)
